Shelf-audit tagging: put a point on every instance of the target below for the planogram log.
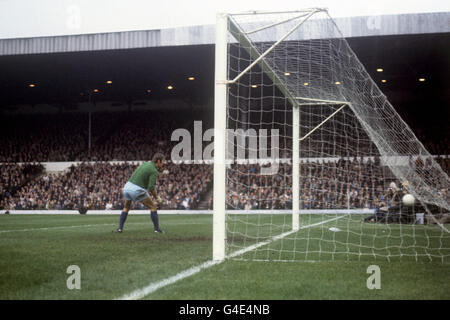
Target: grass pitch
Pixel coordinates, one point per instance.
(36, 250)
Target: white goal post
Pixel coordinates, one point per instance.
(220, 106)
(294, 73)
(220, 121)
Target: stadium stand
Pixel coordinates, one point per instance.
(96, 182)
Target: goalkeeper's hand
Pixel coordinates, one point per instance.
(159, 200)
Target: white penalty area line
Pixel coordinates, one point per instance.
(152, 287)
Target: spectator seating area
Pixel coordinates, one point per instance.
(329, 185)
(99, 186)
(114, 136)
(28, 140)
(65, 137)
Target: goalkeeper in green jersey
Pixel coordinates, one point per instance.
(143, 179)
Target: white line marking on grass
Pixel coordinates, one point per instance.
(53, 228)
(278, 237)
(140, 293)
(152, 287)
(90, 225)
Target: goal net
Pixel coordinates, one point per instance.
(310, 158)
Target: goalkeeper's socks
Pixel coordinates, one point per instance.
(155, 220)
(123, 217)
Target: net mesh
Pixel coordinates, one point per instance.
(355, 150)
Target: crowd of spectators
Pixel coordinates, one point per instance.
(14, 176)
(338, 184)
(328, 185)
(65, 137)
(130, 136)
(434, 141)
(42, 138)
(99, 186)
(134, 137)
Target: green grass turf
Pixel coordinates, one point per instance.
(355, 240)
(35, 251)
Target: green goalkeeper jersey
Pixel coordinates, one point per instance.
(145, 176)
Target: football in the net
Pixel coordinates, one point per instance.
(408, 200)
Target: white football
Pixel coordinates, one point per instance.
(408, 200)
